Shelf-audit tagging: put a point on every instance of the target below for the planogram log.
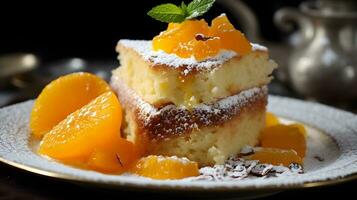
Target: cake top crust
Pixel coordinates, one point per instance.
(186, 65)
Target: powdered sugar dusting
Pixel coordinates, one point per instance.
(144, 48)
(238, 100)
(258, 47)
(241, 98)
(146, 110)
(182, 160)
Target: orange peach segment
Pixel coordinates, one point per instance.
(117, 157)
(231, 39)
(62, 97)
(177, 36)
(220, 24)
(285, 137)
(159, 167)
(276, 156)
(195, 38)
(271, 119)
(301, 128)
(95, 125)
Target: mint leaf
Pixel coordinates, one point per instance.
(167, 13)
(184, 8)
(198, 7)
(172, 13)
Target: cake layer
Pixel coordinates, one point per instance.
(208, 134)
(171, 121)
(214, 144)
(160, 78)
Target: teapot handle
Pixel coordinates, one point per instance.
(285, 18)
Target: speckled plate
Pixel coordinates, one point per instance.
(332, 154)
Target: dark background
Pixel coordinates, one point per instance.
(90, 29)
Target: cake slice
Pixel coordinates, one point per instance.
(194, 91)
(156, 91)
(207, 134)
(160, 78)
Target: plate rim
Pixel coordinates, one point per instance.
(69, 178)
(179, 188)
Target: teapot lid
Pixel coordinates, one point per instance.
(330, 8)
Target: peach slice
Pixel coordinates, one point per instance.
(96, 125)
(159, 167)
(196, 38)
(276, 156)
(231, 39)
(117, 157)
(289, 137)
(62, 97)
(271, 119)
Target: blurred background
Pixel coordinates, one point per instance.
(314, 43)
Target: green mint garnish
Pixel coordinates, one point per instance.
(198, 7)
(184, 8)
(172, 13)
(167, 13)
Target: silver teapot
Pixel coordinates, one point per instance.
(323, 56)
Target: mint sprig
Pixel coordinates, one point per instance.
(171, 13)
(198, 7)
(167, 13)
(184, 8)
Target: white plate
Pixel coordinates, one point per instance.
(332, 135)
